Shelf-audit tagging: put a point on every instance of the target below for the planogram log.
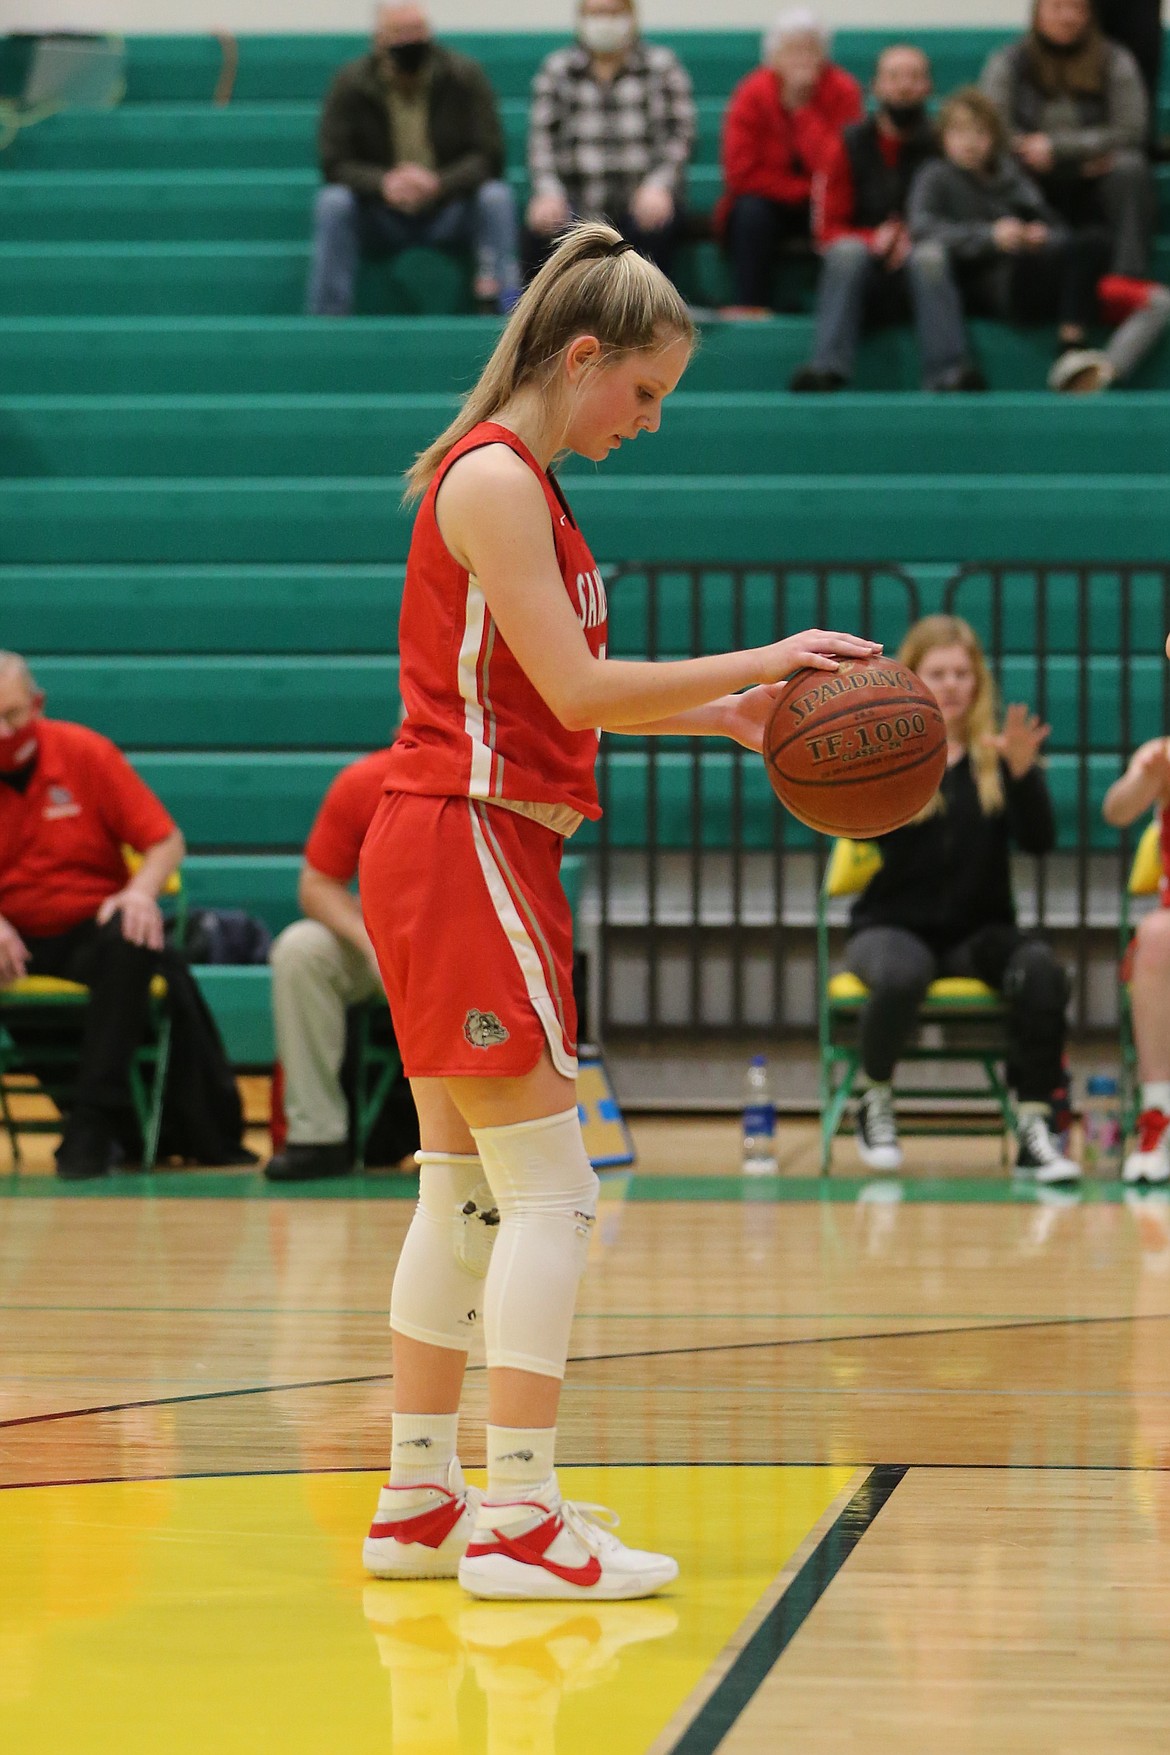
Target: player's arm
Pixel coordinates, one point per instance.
(494, 519)
(743, 718)
(1144, 783)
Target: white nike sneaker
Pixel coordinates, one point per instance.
(546, 1547)
(1151, 1161)
(422, 1532)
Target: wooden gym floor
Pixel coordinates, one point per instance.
(910, 1444)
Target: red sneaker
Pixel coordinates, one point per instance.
(422, 1532)
(539, 1548)
(1151, 1161)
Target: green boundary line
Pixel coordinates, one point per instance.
(738, 1190)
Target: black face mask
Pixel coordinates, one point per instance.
(905, 116)
(1073, 48)
(409, 58)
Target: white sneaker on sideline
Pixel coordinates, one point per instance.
(1151, 1161)
(1038, 1154)
(876, 1130)
(546, 1547)
(422, 1532)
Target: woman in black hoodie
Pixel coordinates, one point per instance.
(941, 904)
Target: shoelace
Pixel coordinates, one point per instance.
(591, 1524)
(1152, 1125)
(880, 1129)
(1038, 1140)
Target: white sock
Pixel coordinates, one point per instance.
(421, 1448)
(1156, 1095)
(520, 1461)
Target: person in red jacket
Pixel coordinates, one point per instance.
(781, 122)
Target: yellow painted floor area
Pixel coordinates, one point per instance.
(231, 1615)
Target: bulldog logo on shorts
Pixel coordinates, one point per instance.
(484, 1029)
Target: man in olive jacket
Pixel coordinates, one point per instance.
(412, 153)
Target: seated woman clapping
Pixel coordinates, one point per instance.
(942, 904)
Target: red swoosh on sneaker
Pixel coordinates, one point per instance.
(527, 1555)
(430, 1528)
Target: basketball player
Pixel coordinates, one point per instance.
(505, 683)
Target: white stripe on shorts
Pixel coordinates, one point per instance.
(525, 951)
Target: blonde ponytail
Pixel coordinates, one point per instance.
(592, 284)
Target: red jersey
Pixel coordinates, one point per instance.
(347, 810)
(1164, 839)
(61, 839)
(474, 726)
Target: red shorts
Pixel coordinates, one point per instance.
(474, 937)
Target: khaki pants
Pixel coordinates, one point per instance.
(315, 977)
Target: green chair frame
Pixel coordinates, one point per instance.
(378, 1064)
(978, 1016)
(148, 1068)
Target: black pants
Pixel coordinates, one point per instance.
(118, 976)
(897, 966)
(658, 245)
(756, 228)
(1057, 282)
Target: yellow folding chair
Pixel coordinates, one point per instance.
(971, 1012)
(45, 995)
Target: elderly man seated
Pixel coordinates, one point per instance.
(412, 154)
(70, 803)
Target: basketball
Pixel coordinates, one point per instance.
(858, 751)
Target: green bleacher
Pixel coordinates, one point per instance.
(201, 535)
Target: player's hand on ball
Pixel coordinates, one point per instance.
(1020, 741)
(815, 649)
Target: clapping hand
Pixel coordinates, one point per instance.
(1153, 764)
(1020, 741)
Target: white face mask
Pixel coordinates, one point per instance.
(605, 33)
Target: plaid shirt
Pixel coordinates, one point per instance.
(595, 142)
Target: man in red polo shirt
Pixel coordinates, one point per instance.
(69, 804)
(320, 966)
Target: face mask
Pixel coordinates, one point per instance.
(1072, 48)
(18, 748)
(409, 58)
(605, 34)
(905, 116)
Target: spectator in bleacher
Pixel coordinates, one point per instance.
(1075, 108)
(871, 269)
(70, 805)
(1145, 785)
(781, 122)
(941, 903)
(610, 133)
(1011, 253)
(412, 154)
(321, 966)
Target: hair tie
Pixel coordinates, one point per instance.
(620, 248)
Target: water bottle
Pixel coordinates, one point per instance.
(759, 1121)
(1101, 1125)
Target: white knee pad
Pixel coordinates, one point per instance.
(437, 1293)
(543, 1183)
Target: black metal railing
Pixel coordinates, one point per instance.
(705, 888)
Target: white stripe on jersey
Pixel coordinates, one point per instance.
(475, 619)
(526, 953)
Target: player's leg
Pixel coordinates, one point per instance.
(1149, 986)
(424, 1516)
(527, 1541)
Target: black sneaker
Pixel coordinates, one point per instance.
(1038, 1153)
(877, 1131)
(813, 380)
(86, 1149)
(309, 1163)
